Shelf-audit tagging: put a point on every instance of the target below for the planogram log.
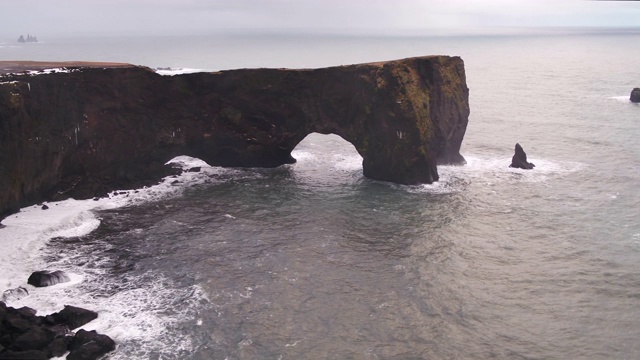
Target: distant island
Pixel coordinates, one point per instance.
(29, 38)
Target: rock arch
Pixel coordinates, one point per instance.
(97, 127)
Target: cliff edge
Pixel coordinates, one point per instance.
(83, 129)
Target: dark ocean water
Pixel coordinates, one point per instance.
(314, 261)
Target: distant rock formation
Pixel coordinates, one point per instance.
(519, 159)
(89, 130)
(635, 95)
(29, 38)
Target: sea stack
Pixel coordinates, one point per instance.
(519, 159)
(91, 128)
(635, 95)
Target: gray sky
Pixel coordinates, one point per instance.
(48, 17)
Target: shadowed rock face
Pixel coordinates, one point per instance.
(93, 129)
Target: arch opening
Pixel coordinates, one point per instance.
(327, 156)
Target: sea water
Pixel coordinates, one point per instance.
(313, 261)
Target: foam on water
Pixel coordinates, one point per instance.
(347, 162)
(301, 155)
(624, 98)
(492, 170)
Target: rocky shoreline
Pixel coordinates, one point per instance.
(23, 335)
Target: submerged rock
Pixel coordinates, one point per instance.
(47, 278)
(519, 159)
(635, 95)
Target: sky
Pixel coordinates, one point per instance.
(145, 17)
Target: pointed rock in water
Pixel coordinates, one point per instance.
(47, 278)
(44, 207)
(635, 95)
(519, 159)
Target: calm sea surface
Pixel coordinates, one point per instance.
(314, 261)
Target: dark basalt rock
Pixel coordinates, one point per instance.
(14, 294)
(88, 345)
(94, 129)
(23, 335)
(74, 317)
(47, 278)
(59, 346)
(36, 338)
(194, 169)
(519, 159)
(23, 355)
(635, 95)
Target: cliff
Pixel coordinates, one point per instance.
(97, 127)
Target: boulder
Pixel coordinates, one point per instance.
(89, 345)
(58, 346)
(73, 317)
(22, 355)
(36, 338)
(23, 335)
(635, 95)
(47, 278)
(14, 294)
(519, 159)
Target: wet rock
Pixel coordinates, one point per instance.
(15, 324)
(175, 182)
(58, 346)
(73, 316)
(45, 207)
(519, 159)
(635, 95)
(22, 355)
(89, 345)
(14, 294)
(27, 312)
(194, 169)
(47, 278)
(26, 336)
(36, 338)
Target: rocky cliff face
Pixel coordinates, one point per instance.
(93, 128)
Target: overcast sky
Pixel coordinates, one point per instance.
(48, 17)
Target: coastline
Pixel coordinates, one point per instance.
(9, 67)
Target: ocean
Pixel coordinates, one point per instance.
(315, 261)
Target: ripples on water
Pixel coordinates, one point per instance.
(315, 261)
